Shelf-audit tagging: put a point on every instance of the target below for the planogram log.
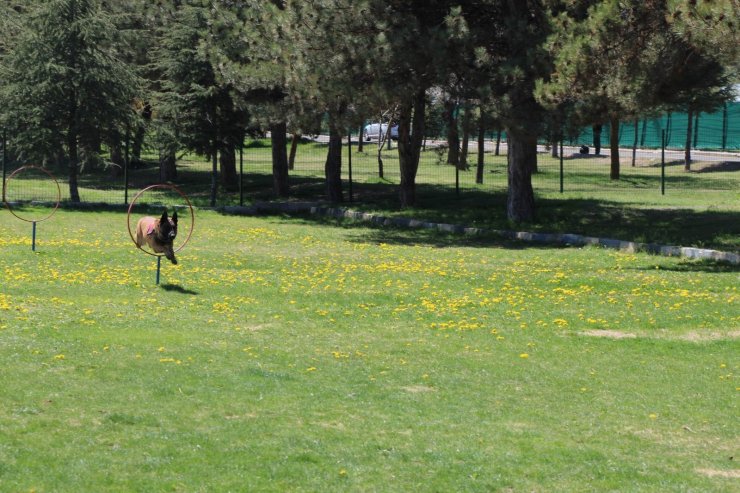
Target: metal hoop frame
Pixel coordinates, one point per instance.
(170, 187)
(53, 179)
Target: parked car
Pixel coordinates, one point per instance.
(371, 131)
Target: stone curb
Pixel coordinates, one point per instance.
(556, 238)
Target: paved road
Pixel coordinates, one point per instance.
(625, 153)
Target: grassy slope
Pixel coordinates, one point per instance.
(288, 356)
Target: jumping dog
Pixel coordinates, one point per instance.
(158, 234)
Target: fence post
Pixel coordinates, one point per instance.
(241, 172)
(724, 127)
(561, 165)
(5, 153)
(634, 143)
(349, 161)
(457, 180)
(125, 168)
(662, 161)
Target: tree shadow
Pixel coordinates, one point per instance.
(722, 166)
(176, 288)
(711, 266)
(486, 210)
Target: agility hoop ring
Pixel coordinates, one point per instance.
(37, 170)
(166, 187)
(15, 174)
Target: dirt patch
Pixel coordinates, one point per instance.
(709, 336)
(719, 473)
(666, 335)
(610, 334)
(418, 389)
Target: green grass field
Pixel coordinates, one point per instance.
(284, 354)
(700, 208)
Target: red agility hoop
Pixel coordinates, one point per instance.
(168, 187)
(18, 172)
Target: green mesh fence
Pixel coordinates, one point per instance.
(717, 131)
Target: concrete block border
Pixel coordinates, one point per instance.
(554, 238)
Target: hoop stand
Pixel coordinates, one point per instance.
(8, 203)
(131, 234)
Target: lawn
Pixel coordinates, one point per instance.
(283, 354)
(700, 208)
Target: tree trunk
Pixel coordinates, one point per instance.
(614, 148)
(522, 160)
(138, 143)
(410, 138)
(597, 138)
(72, 149)
(229, 176)
(696, 129)
(116, 157)
(465, 139)
(481, 150)
(333, 166)
(167, 165)
(687, 153)
(360, 141)
(293, 150)
(453, 137)
(279, 132)
(498, 141)
(380, 162)
(74, 192)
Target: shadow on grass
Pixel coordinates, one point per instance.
(719, 230)
(698, 266)
(176, 288)
(485, 208)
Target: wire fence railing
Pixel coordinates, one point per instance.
(374, 170)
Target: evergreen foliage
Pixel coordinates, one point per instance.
(193, 101)
(66, 88)
(217, 70)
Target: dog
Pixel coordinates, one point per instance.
(158, 234)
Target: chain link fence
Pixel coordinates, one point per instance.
(370, 170)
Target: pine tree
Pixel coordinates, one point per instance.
(248, 52)
(619, 59)
(65, 84)
(509, 40)
(195, 103)
(412, 50)
(328, 70)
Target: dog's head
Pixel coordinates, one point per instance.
(168, 227)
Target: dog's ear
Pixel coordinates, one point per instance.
(164, 216)
(174, 217)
